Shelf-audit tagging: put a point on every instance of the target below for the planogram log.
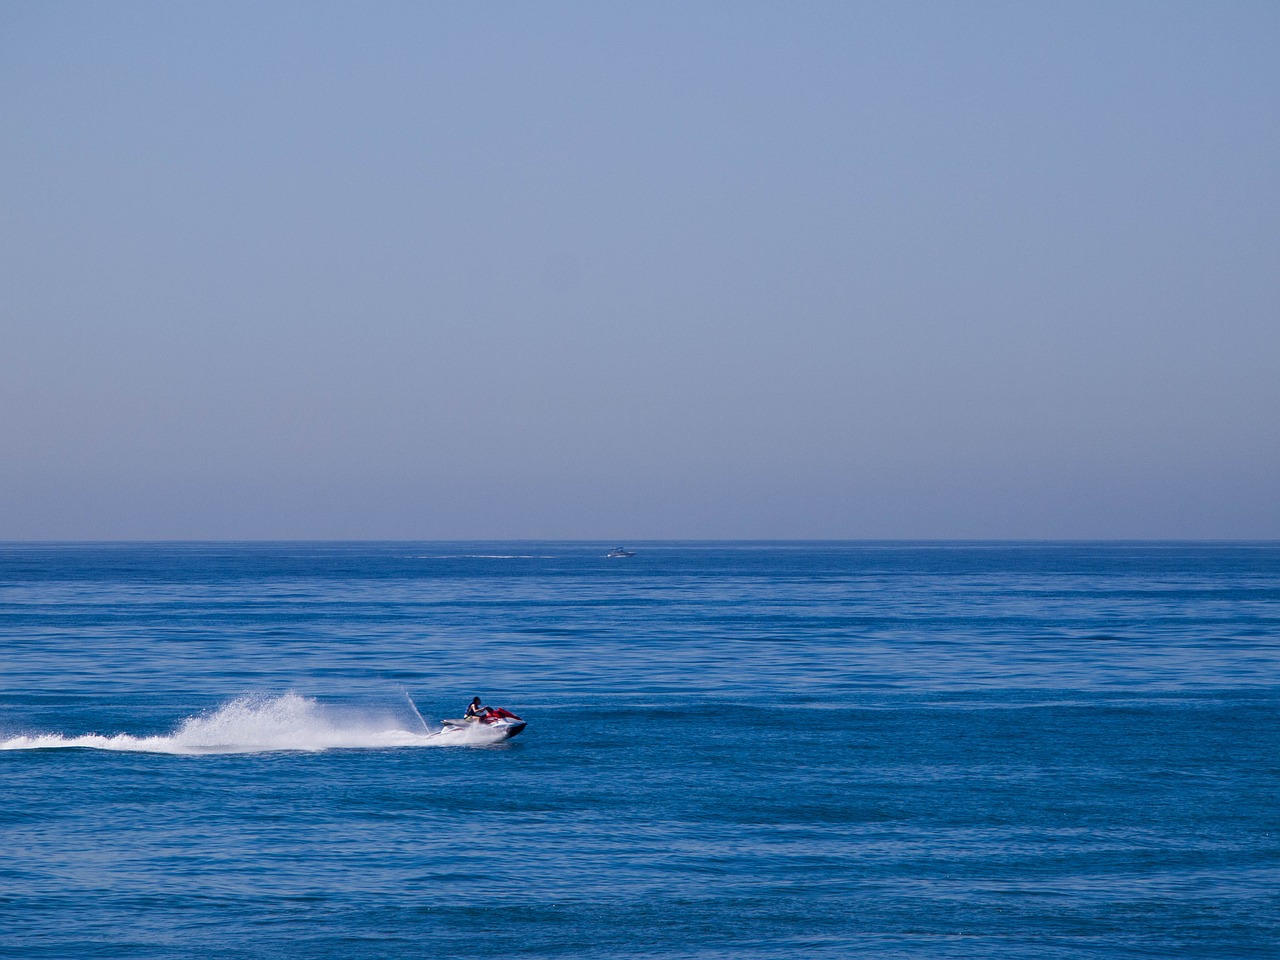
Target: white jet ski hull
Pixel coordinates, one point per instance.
(507, 727)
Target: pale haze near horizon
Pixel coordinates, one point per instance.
(571, 270)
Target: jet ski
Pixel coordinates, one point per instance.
(495, 721)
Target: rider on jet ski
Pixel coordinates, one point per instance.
(474, 710)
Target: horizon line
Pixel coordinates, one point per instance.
(662, 540)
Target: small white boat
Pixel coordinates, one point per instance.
(619, 552)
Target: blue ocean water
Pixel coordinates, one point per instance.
(740, 750)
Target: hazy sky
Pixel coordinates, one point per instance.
(622, 271)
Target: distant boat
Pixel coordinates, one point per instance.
(619, 552)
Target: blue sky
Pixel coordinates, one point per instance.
(579, 270)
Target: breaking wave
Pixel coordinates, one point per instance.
(262, 724)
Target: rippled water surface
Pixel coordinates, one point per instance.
(734, 750)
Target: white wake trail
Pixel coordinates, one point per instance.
(258, 724)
